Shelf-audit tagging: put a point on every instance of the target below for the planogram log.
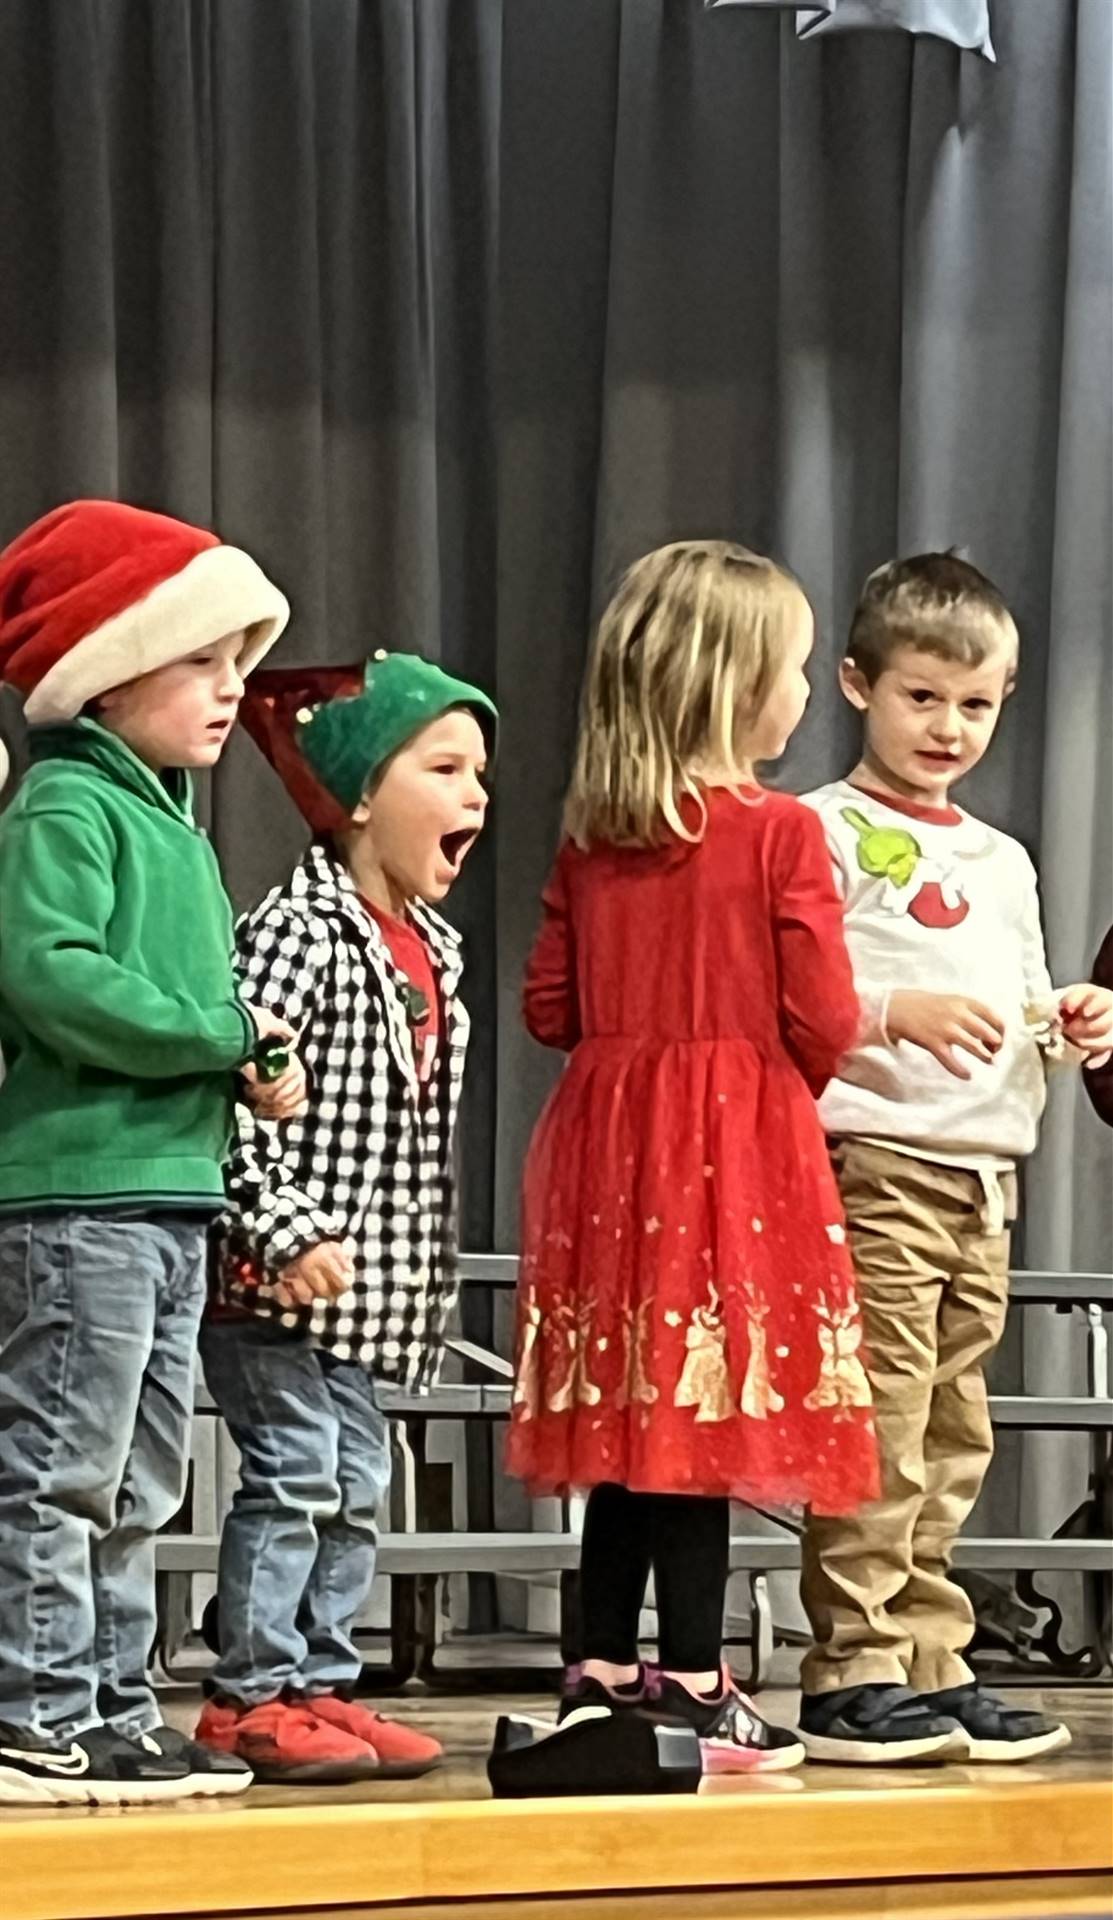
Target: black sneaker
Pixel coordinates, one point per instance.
(733, 1737)
(995, 1731)
(209, 1773)
(878, 1726)
(593, 1751)
(98, 1768)
(580, 1689)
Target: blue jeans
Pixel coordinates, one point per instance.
(297, 1555)
(98, 1338)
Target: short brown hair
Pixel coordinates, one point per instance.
(933, 601)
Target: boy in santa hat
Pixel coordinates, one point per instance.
(129, 635)
(339, 1270)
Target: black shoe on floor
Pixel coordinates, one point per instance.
(592, 1751)
(580, 1689)
(878, 1726)
(994, 1730)
(98, 1768)
(208, 1773)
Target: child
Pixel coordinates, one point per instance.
(944, 931)
(1099, 1082)
(687, 1329)
(129, 635)
(339, 1267)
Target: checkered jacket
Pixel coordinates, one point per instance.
(371, 1161)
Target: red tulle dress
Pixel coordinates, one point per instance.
(687, 1320)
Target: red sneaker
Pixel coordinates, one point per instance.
(217, 1726)
(284, 1742)
(403, 1752)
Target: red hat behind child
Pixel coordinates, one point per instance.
(97, 593)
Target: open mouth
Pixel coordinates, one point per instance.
(454, 846)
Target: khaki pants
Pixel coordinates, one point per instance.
(931, 1251)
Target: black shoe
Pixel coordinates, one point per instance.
(98, 1768)
(995, 1731)
(593, 1751)
(209, 1773)
(210, 1624)
(878, 1726)
(733, 1736)
(580, 1689)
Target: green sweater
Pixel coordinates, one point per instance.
(119, 1021)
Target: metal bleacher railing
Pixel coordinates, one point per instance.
(416, 1556)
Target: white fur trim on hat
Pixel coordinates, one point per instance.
(220, 590)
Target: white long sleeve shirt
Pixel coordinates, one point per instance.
(938, 901)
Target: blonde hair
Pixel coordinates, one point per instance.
(683, 662)
(935, 602)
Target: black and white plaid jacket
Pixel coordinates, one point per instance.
(371, 1160)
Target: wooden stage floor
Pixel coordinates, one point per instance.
(943, 1843)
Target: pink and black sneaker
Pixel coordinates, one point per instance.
(580, 1689)
(733, 1737)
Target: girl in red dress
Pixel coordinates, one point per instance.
(687, 1327)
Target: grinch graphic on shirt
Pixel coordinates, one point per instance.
(894, 855)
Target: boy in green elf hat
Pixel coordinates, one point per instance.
(337, 1269)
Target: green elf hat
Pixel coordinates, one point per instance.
(347, 742)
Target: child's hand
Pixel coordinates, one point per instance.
(940, 1022)
(277, 1099)
(268, 1025)
(322, 1272)
(1087, 1016)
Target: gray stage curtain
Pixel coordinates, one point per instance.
(964, 23)
(449, 308)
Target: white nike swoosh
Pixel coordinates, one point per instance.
(75, 1761)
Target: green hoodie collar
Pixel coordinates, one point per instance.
(95, 746)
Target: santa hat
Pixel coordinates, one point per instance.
(98, 593)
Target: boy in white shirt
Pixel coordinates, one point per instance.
(943, 926)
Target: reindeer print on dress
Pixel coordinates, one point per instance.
(843, 1382)
(759, 1396)
(527, 1379)
(569, 1331)
(704, 1380)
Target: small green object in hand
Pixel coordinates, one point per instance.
(271, 1057)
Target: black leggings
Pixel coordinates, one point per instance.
(686, 1540)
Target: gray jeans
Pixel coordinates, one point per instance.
(297, 1555)
(98, 1337)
